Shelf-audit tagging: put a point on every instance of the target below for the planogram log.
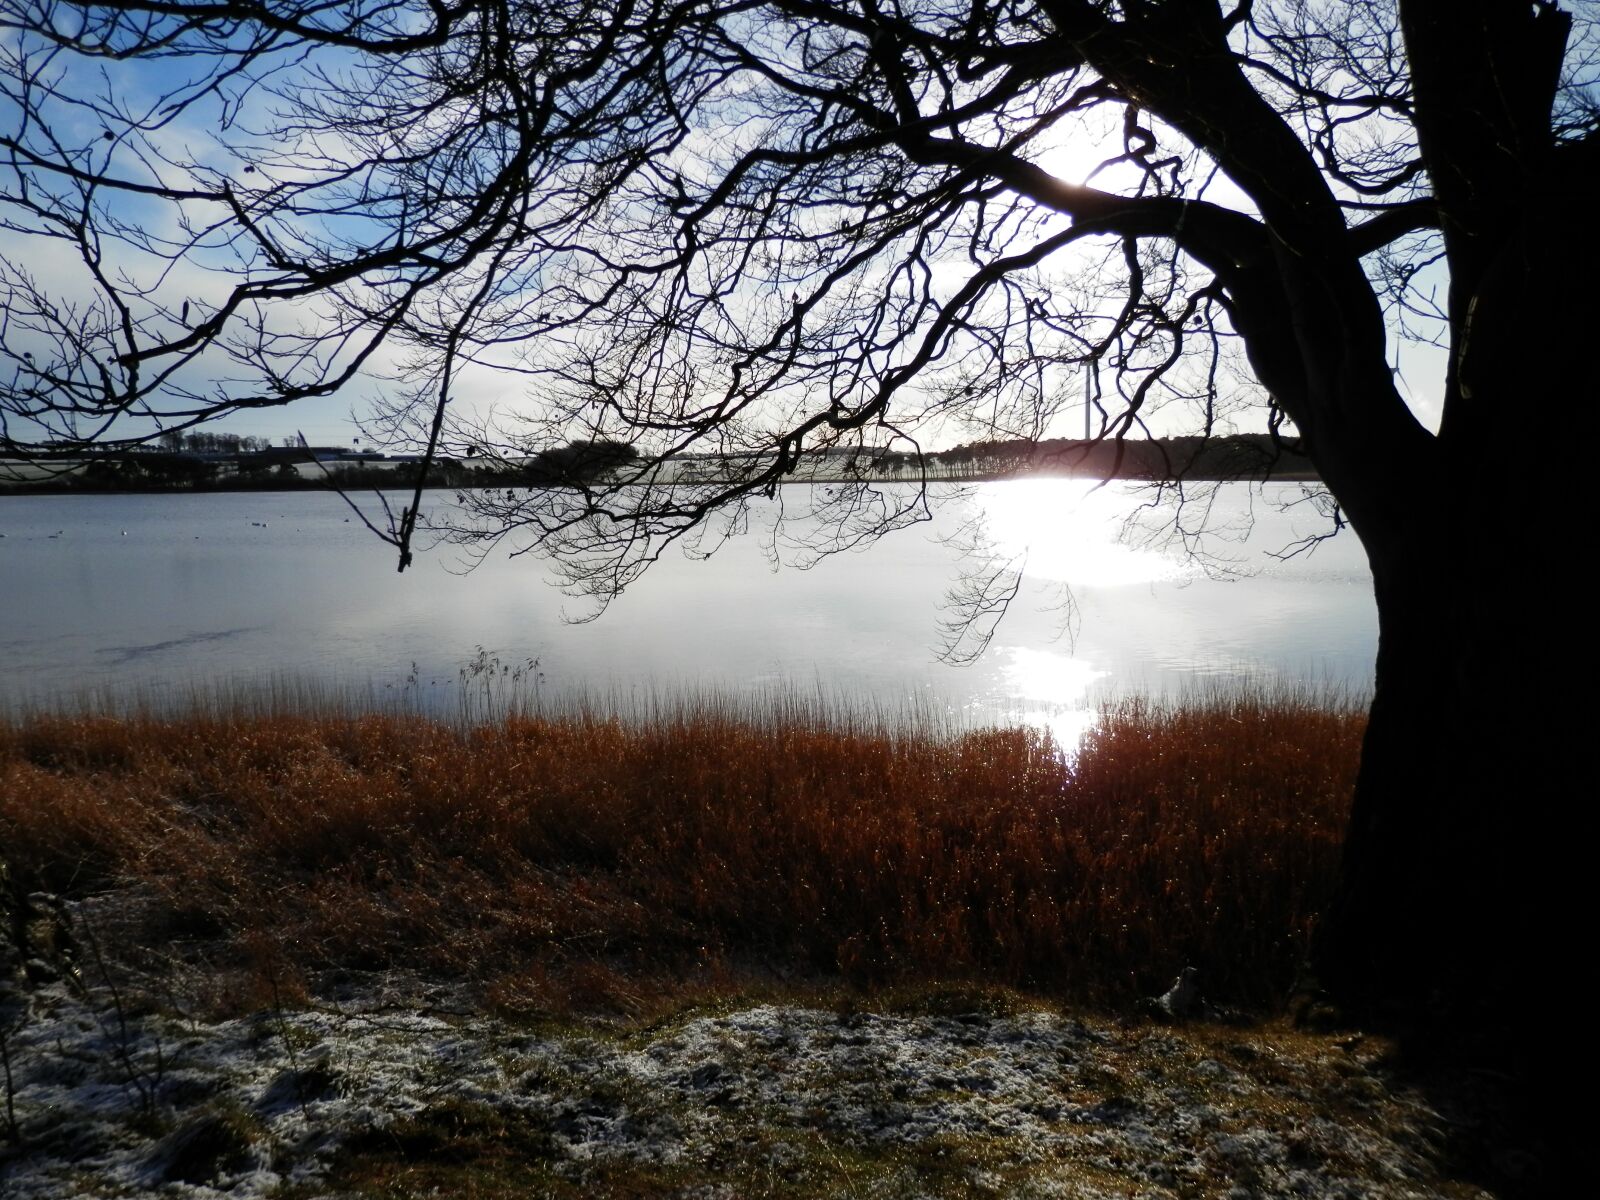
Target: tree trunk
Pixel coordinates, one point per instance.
(1456, 924)
(1458, 869)
(1458, 904)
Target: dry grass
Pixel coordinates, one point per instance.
(565, 862)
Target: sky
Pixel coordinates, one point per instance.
(335, 420)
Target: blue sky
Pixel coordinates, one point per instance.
(333, 420)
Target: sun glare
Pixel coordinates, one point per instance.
(1073, 150)
(1046, 690)
(1068, 531)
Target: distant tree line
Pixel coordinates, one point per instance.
(189, 461)
(1247, 456)
(578, 462)
(1231, 456)
(205, 441)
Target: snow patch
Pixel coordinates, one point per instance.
(150, 1103)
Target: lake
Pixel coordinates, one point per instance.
(117, 595)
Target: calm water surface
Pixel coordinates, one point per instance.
(114, 594)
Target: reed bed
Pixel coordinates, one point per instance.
(568, 860)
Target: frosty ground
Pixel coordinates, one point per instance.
(380, 1087)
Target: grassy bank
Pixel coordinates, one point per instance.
(583, 863)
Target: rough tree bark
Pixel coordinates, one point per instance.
(1459, 875)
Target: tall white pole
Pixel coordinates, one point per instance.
(1088, 399)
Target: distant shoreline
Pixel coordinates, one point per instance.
(1236, 458)
(831, 481)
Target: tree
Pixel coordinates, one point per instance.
(776, 228)
(582, 461)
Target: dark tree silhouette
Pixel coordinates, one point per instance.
(582, 461)
(770, 229)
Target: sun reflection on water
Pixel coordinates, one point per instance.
(1048, 690)
(1069, 531)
